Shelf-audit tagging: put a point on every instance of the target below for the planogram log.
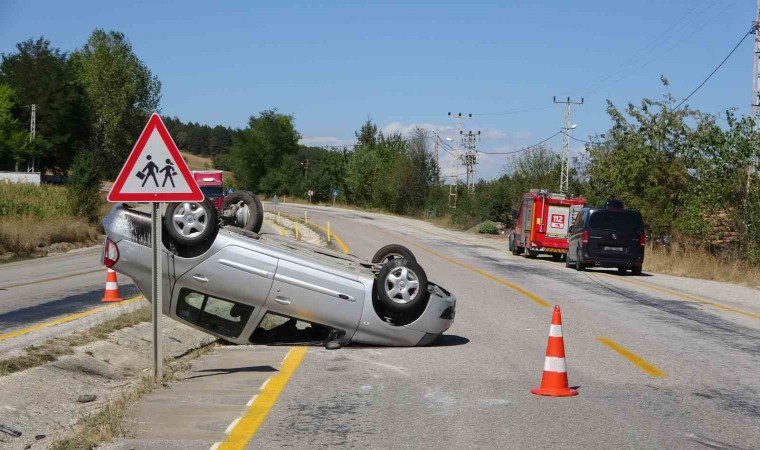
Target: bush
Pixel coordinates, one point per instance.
(488, 227)
(85, 187)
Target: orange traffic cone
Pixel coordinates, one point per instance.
(112, 288)
(554, 381)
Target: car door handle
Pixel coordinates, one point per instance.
(200, 278)
(282, 300)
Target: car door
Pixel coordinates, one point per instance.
(307, 293)
(574, 237)
(224, 290)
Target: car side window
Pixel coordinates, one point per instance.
(579, 221)
(214, 314)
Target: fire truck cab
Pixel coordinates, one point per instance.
(543, 222)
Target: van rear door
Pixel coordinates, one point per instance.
(614, 234)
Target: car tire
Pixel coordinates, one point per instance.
(391, 252)
(246, 209)
(579, 266)
(191, 223)
(636, 270)
(394, 285)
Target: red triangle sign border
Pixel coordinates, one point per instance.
(155, 123)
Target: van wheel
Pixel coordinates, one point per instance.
(636, 270)
(579, 266)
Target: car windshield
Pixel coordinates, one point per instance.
(212, 191)
(616, 221)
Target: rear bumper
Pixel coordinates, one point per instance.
(612, 262)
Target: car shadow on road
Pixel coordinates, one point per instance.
(65, 306)
(598, 269)
(450, 340)
(230, 370)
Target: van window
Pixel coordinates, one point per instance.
(616, 221)
(214, 314)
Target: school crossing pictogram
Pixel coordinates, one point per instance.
(155, 170)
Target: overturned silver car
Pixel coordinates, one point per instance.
(246, 287)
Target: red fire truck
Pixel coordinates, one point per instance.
(542, 223)
(210, 182)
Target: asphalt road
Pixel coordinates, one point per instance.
(690, 379)
(679, 370)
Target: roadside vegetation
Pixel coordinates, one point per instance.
(35, 220)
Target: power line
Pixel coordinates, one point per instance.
(524, 148)
(576, 139)
(718, 67)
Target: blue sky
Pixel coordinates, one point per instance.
(333, 64)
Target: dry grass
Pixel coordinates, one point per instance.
(698, 263)
(52, 349)
(98, 428)
(34, 217)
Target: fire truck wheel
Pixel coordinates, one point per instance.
(557, 256)
(531, 254)
(190, 223)
(246, 209)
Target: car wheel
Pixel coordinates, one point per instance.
(391, 252)
(244, 209)
(402, 285)
(636, 270)
(579, 266)
(190, 223)
(622, 270)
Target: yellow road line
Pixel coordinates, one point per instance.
(633, 358)
(65, 319)
(491, 277)
(75, 274)
(242, 433)
(684, 296)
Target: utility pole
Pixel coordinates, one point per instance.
(755, 99)
(453, 187)
(564, 178)
(470, 158)
(435, 155)
(30, 165)
(305, 164)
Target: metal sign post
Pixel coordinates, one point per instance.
(156, 304)
(155, 157)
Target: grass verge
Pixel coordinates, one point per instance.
(34, 217)
(697, 263)
(51, 350)
(97, 428)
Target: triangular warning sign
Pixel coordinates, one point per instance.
(155, 170)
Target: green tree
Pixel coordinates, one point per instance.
(13, 137)
(261, 147)
(121, 91)
(42, 75)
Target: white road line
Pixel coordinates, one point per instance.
(215, 446)
(232, 425)
(265, 384)
(250, 402)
